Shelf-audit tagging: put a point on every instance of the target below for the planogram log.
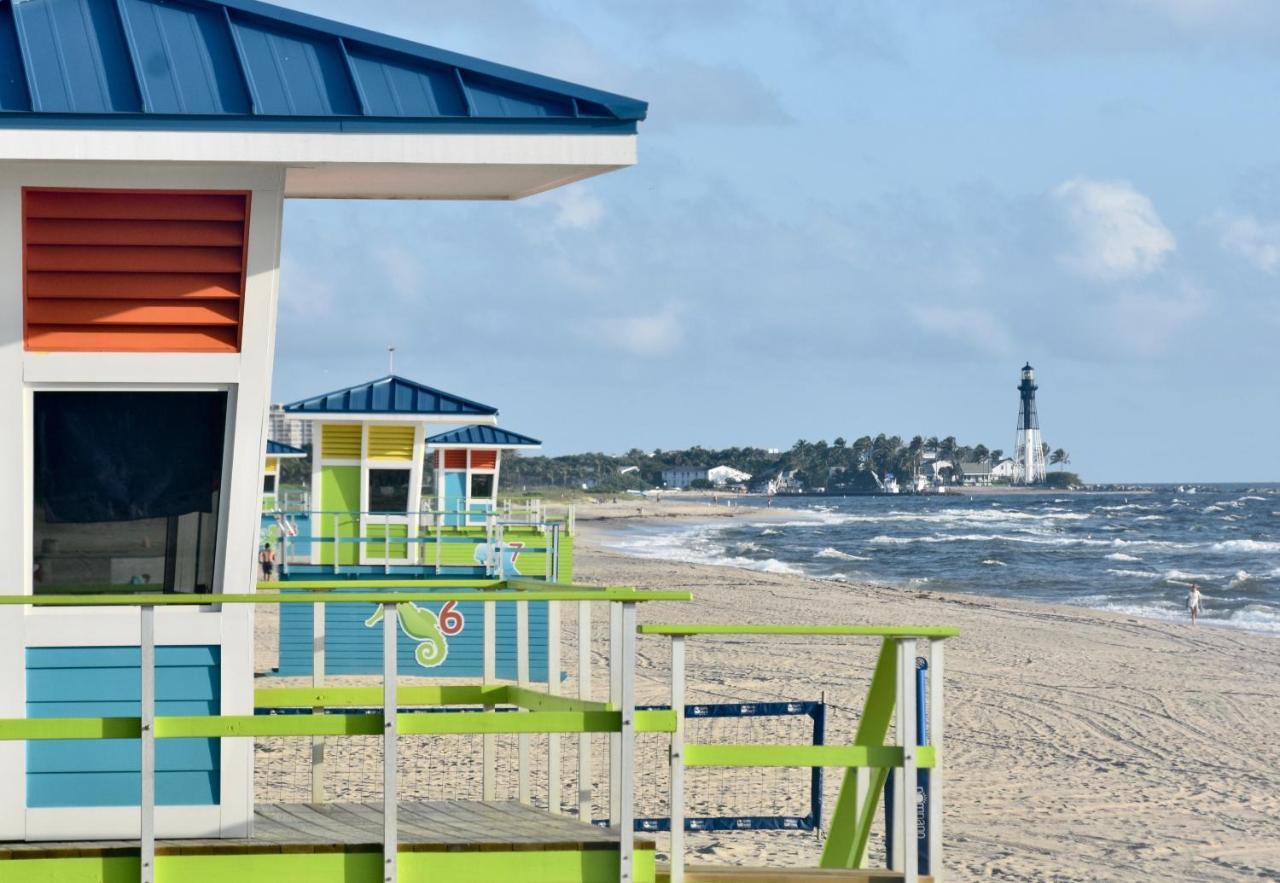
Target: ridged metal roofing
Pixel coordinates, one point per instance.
(483, 435)
(390, 395)
(242, 65)
(280, 449)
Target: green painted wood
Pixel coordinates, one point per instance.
(851, 825)
(801, 756)
(537, 700)
(879, 631)
(339, 866)
(493, 597)
(410, 723)
(337, 697)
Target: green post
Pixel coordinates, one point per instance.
(851, 824)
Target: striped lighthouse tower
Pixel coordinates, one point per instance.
(1029, 459)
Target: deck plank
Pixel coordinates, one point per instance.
(357, 827)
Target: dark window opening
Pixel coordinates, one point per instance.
(268, 484)
(481, 486)
(389, 490)
(127, 490)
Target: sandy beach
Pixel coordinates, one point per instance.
(1082, 746)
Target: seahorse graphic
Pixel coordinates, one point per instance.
(422, 626)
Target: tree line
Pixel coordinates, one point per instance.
(840, 466)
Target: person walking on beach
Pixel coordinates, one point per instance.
(267, 559)
(1193, 602)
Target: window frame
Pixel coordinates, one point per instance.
(220, 544)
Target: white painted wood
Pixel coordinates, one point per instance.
(489, 742)
(147, 746)
(627, 747)
(937, 669)
(553, 688)
(584, 692)
(677, 760)
(906, 808)
(522, 679)
(390, 730)
(615, 701)
(317, 681)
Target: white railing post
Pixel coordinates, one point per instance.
(627, 748)
(936, 669)
(615, 701)
(905, 842)
(147, 747)
(390, 839)
(522, 679)
(677, 760)
(584, 692)
(317, 681)
(553, 689)
(489, 741)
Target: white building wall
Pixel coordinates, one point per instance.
(247, 378)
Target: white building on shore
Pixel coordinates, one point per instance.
(682, 477)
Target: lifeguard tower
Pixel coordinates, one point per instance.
(276, 452)
(146, 150)
(468, 462)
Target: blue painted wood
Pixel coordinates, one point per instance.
(104, 682)
(351, 647)
(455, 497)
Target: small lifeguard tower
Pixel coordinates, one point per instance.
(468, 462)
(366, 468)
(276, 451)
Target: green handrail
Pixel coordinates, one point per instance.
(879, 631)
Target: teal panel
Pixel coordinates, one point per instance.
(104, 682)
(455, 496)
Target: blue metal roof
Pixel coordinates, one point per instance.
(280, 449)
(483, 435)
(244, 65)
(390, 395)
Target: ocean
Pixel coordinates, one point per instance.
(1131, 553)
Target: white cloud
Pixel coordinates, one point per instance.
(1258, 242)
(976, 327)
(651, 336)
(1116, 231)
(577, 209)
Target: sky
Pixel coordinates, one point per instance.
(847, 218)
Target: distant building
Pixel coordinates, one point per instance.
(720, 476)
(787, 482)
(1005, 469)
(288, 429)
(975, 474)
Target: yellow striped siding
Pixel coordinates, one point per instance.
(391, 442)
(340, 441)
(271, 464)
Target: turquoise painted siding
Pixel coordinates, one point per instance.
(455, 496)
(353, 648)
(104, 682)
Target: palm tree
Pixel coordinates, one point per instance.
(1058, 456)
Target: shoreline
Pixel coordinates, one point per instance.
(1083, 744)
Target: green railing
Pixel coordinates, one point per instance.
(866, 761)
(540, 711)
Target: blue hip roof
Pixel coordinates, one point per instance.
(280, 449)
(240, 64)
(483, 435)
(390, 395)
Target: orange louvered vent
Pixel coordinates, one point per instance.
(455, 459)
(134, 271)
(484, 459)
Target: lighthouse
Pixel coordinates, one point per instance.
(1029, 459)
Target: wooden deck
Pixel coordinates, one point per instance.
(727, 874)
(442, 826)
